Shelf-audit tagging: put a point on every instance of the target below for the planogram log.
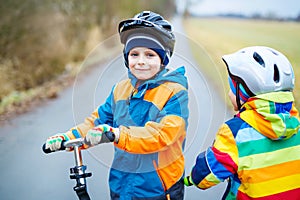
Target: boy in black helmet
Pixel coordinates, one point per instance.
(147, 113)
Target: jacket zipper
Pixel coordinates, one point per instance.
(161, 180)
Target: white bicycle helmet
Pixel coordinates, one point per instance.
(260, 70)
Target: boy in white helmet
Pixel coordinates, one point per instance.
(257, 151)
(147, 114)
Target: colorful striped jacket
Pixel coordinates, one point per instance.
(258, 151)
(153, 118)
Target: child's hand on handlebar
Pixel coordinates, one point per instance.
(54, 142)
(102, 134)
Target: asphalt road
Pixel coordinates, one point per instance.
(27, 173)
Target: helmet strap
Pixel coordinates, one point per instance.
(237, 95)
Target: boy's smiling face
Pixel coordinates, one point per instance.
(144, 63)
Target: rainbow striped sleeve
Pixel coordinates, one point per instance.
(218, 163)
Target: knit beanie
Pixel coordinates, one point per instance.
(148, 41)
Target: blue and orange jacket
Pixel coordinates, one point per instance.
(258, 151)
(153, 120)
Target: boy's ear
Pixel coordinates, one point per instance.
(125, 58)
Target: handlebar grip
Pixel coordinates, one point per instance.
(62, 147)
(187, 181)
(110, 136)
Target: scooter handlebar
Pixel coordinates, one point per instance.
(49, 150)
(109, 137)
(66, 144)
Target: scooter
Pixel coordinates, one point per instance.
(78, 172)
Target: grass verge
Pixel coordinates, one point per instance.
(18, 102)
(219, 36)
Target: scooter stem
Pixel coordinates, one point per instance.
(78, 157)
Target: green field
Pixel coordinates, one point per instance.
(219, 36)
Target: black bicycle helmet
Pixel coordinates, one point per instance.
(149, 23)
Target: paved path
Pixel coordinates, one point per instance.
(27, 173)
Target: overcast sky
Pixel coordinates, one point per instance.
(282, 8)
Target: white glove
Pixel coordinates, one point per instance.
(54, 142)
(102, 134)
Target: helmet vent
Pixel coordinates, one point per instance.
(258, 59)
(275, 53)
(276, 74)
